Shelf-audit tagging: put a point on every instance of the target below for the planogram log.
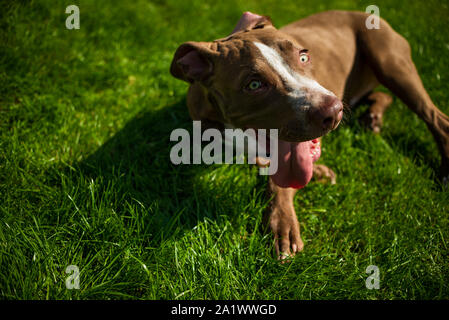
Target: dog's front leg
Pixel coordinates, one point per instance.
(282, 219)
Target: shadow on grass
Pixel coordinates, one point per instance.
(133, 175)
(408, 144)
(132, 171)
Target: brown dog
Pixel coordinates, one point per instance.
(294, 79)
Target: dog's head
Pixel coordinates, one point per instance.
(259, 77)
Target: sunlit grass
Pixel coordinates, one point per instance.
(85, 176)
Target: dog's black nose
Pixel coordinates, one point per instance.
(328, 114)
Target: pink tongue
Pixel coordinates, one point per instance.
(295, 163)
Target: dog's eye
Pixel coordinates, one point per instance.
(304, 57)
(254, 85)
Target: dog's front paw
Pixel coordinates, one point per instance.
(285, 227)
(372, 121)
(321, 173)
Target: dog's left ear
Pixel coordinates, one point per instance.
(250, 21)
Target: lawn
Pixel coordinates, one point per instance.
(85, 176)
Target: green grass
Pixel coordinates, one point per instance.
(85, 176)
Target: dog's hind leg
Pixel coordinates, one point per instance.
(389, 55)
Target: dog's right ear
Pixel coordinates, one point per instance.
(193, 61)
